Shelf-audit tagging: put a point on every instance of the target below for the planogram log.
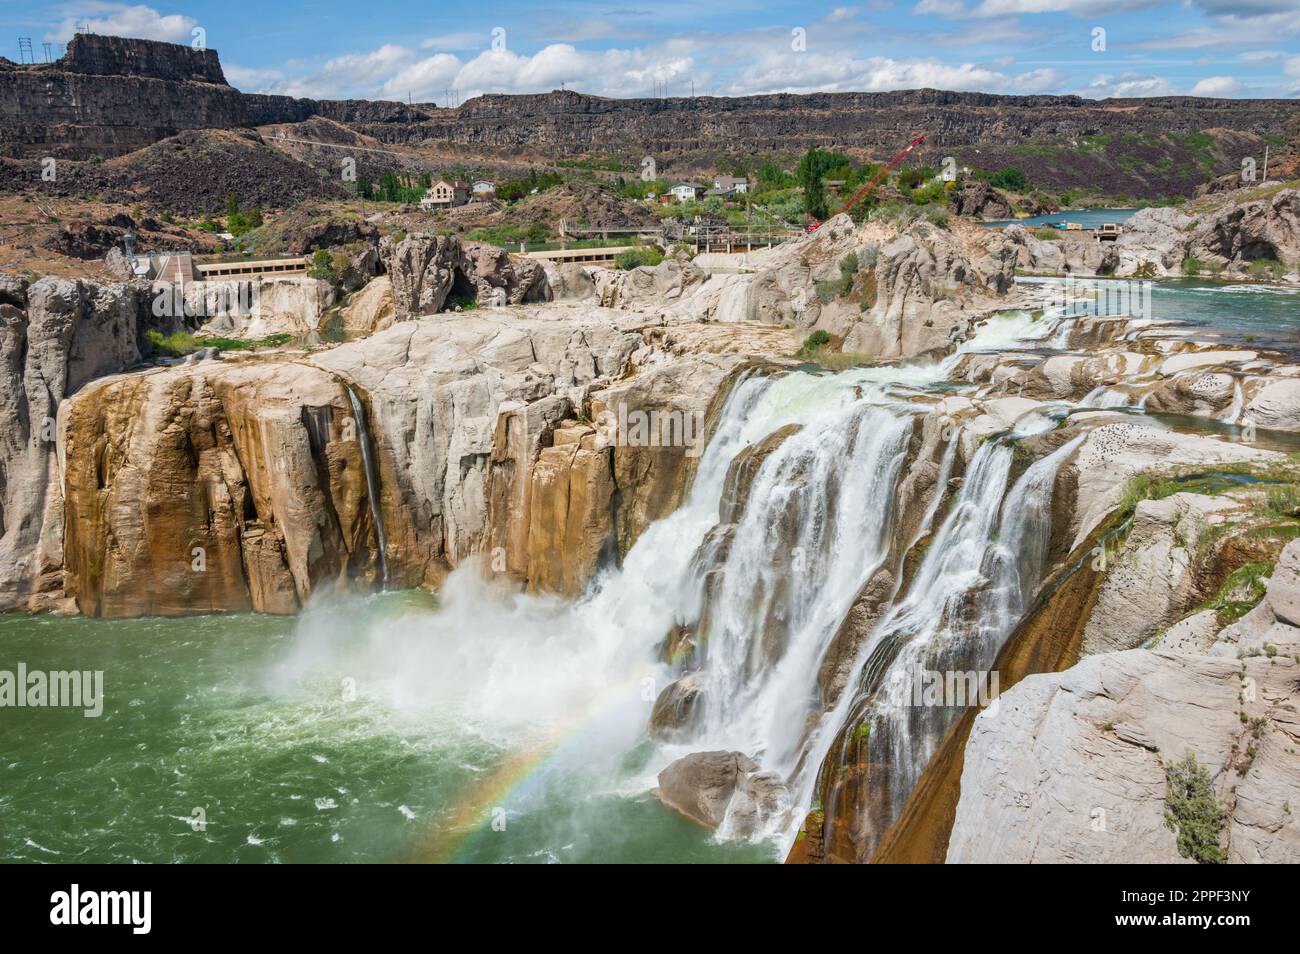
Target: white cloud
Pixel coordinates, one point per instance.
(120, 19)
(251, 79)
(1127, 86)
(1216, 86)
(1260, 56)
(1040, 81)
(941, 8)
(1002, 8)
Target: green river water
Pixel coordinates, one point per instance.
(198, 714)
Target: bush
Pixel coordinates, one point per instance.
(320, 266)
(176, 345)
(1266, 268)
(814, 343)
(1193, 812)
(848, 269)
(1048, 234)
(936, 215)
(827, 291)
(636, 257)
(1010, 179)
(1192, 266)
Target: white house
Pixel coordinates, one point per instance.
(687, 191)
(483, 187)
(445, 193)
(730, 185)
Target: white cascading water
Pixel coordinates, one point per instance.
(372, 484)
(528, 671)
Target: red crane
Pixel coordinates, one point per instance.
(865, 189)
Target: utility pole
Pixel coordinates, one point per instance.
(1265, 162)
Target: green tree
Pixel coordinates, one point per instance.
(811, 169)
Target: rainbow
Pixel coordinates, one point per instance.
(474, 812)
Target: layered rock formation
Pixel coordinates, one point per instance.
(911, 290)
(243, 483)
(55, 336)
(1230, 234)
(92, 101)
(1082, 758)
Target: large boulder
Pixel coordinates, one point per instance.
(1243, 232)
(722, 790)
(978, 199)
(1073, 766)
(425, 270)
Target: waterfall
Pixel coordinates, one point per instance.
(978, 574)
(811, 535)
(1238, 399)
(764, 596)
(372, 484)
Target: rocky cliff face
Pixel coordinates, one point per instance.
(1082, 758)
(55, 336)
(574, 122)
(226, 485)
(110, 95)
(1231, 232)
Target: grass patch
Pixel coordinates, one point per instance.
(180, 343)
(1241, 591)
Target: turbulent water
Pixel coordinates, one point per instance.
(503, 727)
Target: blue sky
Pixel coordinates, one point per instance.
(392, 49)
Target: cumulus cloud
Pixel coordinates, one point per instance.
(1127, 86)
(120, 19)
(1216, 86)
(1040, 81)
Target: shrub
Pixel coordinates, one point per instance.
(636, 257)
(320, 266)
(1048, 234)
(1193, 812)
(1192, 266)
(1011, 179)
(175, 345)
(936, 215)
(827, 290)
(814, 343)
(848, 269)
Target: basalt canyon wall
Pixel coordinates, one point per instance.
(110, 95)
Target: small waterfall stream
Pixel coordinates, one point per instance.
(372, 484)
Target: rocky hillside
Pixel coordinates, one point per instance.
(108, 96)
